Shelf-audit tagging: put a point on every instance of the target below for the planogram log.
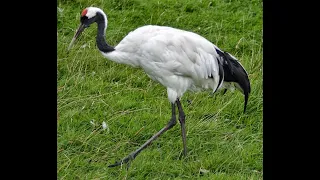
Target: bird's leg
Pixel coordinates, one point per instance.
(132, 155)
(183, 127)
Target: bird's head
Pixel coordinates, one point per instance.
(88, 16)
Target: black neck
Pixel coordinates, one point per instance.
(101, 42)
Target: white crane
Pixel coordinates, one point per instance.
(179, 60)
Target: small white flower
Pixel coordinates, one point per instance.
(105, 126)
(203, 171)
(83, 46)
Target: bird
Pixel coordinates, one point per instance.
(178, 59)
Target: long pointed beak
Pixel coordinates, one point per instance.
(79, 31)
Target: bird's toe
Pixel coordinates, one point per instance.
(127, 160)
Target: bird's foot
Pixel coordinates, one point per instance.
(127, 160)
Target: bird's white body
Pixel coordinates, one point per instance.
(178, 59)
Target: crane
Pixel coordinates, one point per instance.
(179, 60)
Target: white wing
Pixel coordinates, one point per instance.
(164, 51)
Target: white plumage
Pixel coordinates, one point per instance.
(179, 60)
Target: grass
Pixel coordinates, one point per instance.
(223, 143)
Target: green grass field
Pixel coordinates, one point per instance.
(223, 143)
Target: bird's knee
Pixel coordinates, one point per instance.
(172, 122)
(182, 118)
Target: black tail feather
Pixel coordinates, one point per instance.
(246, 96)
(234, 72)
(225, 90)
